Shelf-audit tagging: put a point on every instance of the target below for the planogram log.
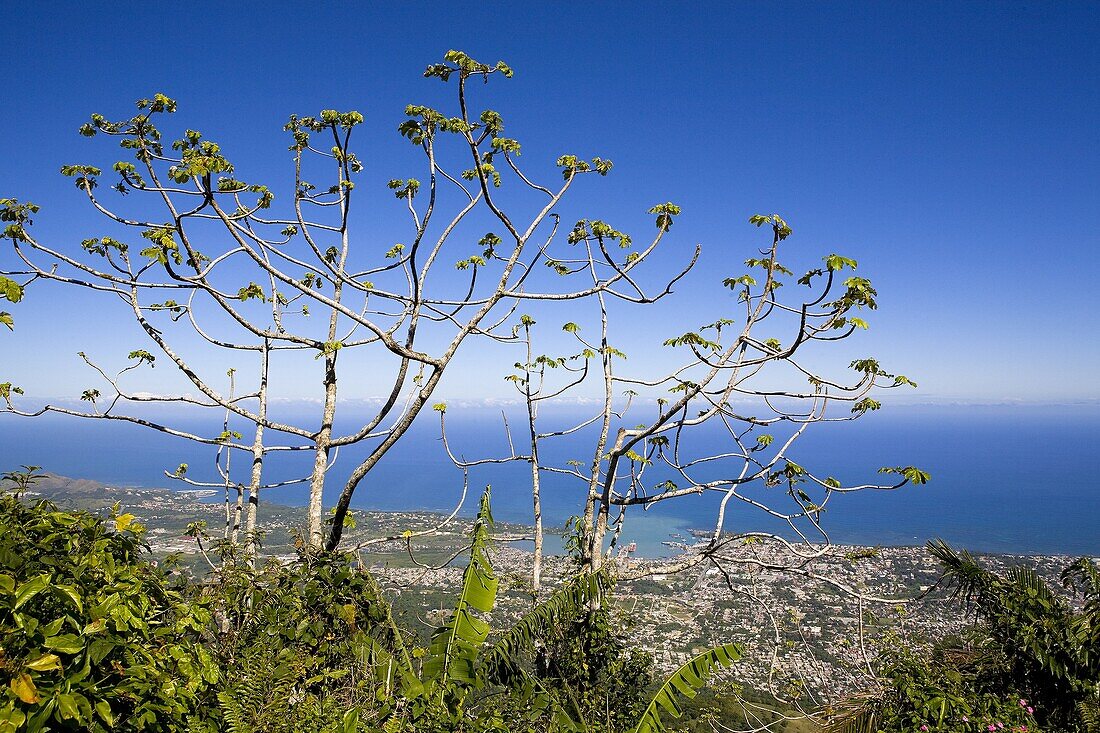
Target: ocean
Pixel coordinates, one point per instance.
(1005, 478)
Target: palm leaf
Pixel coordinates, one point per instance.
(1082, 577)
(965, 576)
(686, 681)
(452, 655)
(501, 662)
(858, 713)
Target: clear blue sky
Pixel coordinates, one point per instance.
(953, 149)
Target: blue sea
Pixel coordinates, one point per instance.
(1005, 478)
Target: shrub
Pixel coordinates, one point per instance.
(94, 636)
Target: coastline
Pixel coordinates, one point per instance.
(671, 615)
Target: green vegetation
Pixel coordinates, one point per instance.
(1031, 662)
(96, 637)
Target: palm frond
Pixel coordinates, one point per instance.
(686, 681)
(965, 576)
(1082, 577)
(860, 713)
(501, 662)
(1030, 585)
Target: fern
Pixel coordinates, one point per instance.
(1089, 710)
(686, 681)
(452, 655)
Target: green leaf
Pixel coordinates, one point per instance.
(686, 681)
(252, 291)
(45, 663)
(835, 263)
(865, 405)
(665, 212)
(71, 593)
(95, 627)
(454, 648)
(10, 290)
(691, 339)
(64, 643)
(733, 282)
(143, 357)
(103, 709)
(67, 706)
(912, 474)
(30, 589)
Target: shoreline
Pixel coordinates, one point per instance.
(87, 493)
(673, 615)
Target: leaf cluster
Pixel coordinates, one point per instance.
(95, 637)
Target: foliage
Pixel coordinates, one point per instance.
(317, 636)
(952, 687)
(586, 657)
(1032, 662)
(320, 633)
(94, 637)
(1052, 650)
(304, 640)
(685, 681)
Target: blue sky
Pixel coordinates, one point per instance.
(951, 148)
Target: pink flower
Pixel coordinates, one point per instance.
(966, 719)
(1030, 710)
(1023, 703)
(992, 727)
(1023, 729)
(924, 727)
(1000, 725)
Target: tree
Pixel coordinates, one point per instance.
(1051, 649)
(748, 374)
(728, 364)
(222, 260)
(552, 665)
